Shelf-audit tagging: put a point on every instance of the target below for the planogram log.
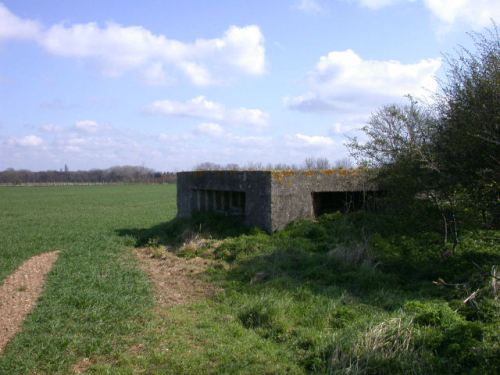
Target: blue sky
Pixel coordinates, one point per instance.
(170, 84)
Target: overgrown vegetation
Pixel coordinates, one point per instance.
(447, 153)
(359, 293)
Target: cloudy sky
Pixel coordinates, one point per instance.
(170, 84)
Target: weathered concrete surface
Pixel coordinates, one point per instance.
(291, 191)
(272, 199)
(255, 184)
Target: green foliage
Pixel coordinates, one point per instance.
(348, 293)
(385, 346)
(310, 291)
(468, 137)
(447, 153)
(433, 314)
(241, 246)
(459, 344)
(395, 132)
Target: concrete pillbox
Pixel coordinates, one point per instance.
(272, 199)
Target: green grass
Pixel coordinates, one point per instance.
(349, 294)
(95, 297)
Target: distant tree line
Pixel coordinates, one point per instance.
(117, 174)
(139, 174)
(310, 163)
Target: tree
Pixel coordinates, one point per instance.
(448, 153)
(208, 166)
(344, 163)
(316, 163)
(399, 146)
(467, 142)
(394, 133)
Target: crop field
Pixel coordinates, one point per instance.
(347, 294)
(95, 296)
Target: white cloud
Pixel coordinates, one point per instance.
(249, 140)
(337, 128)
(473, 13)
(309, 141)
(244, 48)
(88, 126)
(13, 27)
(476, 13)
(377, 4)
(154, 75)
(74, 143)
(89, 146)
(211, 129)
(51, 128)
(28, 141)
(217, 132)
(249, 116)
(314, 140)
(168, 151)
(202, 108)
(198, 107)
(309, 6)
(197, 73)
(117, 49)
(342, 81)
(174, 137)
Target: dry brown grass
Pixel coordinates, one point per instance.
(176, 280)
(390, 339)
(81, 366)
(19, 294)
(194, 244)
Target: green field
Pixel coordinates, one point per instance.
(95, 297)
(349, 294)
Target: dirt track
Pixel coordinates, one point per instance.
(19, 293)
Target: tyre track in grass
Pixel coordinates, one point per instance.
(19, 293)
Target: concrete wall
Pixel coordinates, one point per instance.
(255, 184)
(272, 198)
(291, 192)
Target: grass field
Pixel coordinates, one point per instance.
(95, 297)
(349, 294)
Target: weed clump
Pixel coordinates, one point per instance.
(387, 347)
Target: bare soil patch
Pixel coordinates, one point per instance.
(82, 366)
(176, 280)
(19, 293)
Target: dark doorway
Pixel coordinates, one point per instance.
(332, 201)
